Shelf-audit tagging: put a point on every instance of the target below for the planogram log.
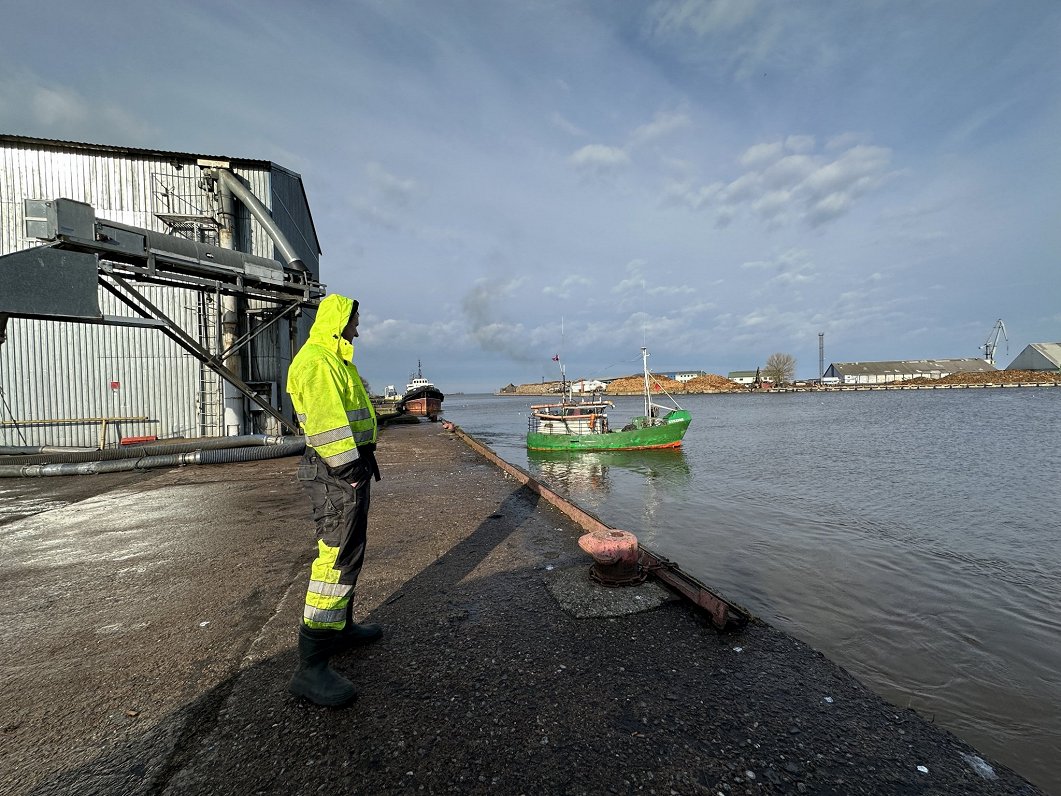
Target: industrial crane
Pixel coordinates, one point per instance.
(992, 341)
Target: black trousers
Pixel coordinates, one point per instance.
(340, 513)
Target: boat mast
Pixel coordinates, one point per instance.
(648, 403)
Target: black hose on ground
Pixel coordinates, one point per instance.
(253, 454)
(291, 446)
(45, 455)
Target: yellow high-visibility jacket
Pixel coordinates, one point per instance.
(326, 390)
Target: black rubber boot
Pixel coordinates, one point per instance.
(314, 679)
(355, 635)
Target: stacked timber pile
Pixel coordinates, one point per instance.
(635, 385)
(711, 383)
(996, 377)
(544, 388)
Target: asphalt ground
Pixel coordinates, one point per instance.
(149, 626)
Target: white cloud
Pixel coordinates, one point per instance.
(684, 192)
(406, 333)
(670, 290)
(635, 279)
(569, 127)
(799, 143)
(566, 287)
(702, 17)
(374, 214)
(760, 155)
(398, 191)
(787, 171)
(662, 125)
(781, 188)
(599, 159)
(787, 270)
(29, 103)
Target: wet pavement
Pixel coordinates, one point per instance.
(148, 634)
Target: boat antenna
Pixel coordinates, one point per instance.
(563, 370)
(644, 325)
(648, 400)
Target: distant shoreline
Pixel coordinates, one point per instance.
(815, 389)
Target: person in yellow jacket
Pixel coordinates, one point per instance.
(336, 472)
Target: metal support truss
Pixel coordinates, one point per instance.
(138, 302)
(60, 280)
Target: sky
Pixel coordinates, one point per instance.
(501, 181)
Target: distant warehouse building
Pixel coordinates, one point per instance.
(1038, 356)
(742, 376)
(901, 370)
(685, 375)
(117, 376)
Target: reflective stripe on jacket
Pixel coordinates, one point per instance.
(326, 390)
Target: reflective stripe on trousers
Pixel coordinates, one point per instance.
(340, 513)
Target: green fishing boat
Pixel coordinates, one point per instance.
(583, 425)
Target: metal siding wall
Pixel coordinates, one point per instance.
(51, 370)
(263, 359)
(291, 213)
(63, 371)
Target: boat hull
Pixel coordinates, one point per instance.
(426, 406)
(667, 434)
(423, 401)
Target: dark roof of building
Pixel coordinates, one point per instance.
(128, 150)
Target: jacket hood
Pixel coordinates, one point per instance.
(332, 316)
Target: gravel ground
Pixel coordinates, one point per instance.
(487, 681)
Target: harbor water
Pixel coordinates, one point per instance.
(914, 537)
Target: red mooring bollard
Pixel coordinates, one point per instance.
(616, 557)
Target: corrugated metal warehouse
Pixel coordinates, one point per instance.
(78, 384)
(1038, 356)
(902, 370)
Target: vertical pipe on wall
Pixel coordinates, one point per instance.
(229, 309)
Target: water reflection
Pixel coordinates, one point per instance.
(816, 511)
(592, 477)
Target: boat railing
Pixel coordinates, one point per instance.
(585, 406)
(567, 424)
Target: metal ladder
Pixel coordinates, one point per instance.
(210, 395)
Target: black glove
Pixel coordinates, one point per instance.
(360, 468)
(367, 460)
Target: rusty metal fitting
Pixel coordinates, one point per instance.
(616, 557)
